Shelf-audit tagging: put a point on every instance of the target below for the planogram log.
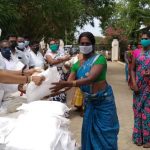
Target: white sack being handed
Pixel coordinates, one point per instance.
(35, 92)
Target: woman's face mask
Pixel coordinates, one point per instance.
(86, 49)
(145, 42)
(6, 53)
(54, 47)
(21, 45)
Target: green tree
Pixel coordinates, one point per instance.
(129, 15)
(51, 18)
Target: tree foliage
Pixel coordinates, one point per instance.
(51, 18)
(129, 15)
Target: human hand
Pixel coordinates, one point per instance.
(147, 72)
(135, 89)
(66, 58)
(38, 79)
(21, 88)
(59, 86)
(59, 92)
(29, 72)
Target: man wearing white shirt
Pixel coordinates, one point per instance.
(15, 53)
(6, 90)
(36, 55)
(21, 46)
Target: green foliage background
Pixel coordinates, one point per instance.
(51, 18)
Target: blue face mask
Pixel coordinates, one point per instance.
(145, 42)
(6, 53)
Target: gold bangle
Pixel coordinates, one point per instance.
(29, 79)
(74, 83)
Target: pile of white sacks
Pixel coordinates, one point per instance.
(41, 125)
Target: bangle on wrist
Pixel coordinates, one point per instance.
(74, 83)
(28, 79)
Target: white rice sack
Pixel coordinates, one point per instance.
(11, 104)
(38, 129)
(6, 126)
(34, 132)
(18, 66)
(1, 95)
(35, 92)
(46, 108)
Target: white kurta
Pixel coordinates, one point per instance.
(7, 101)
(19, 55)
(24, 57)
(30, 61)
(38, 59)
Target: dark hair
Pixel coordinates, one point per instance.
(89, 35)
(11, 35)
(147, 33)
(33, 42)
(26, 37)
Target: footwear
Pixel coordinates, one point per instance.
(147, 145)
(138, 144)
(82, 113)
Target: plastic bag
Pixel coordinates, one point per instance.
(35, 92)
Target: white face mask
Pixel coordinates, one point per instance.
(26, 43)
(21, 45)
(86, 49)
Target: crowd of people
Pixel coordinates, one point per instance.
(20, 58)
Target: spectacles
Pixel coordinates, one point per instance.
(85, 43)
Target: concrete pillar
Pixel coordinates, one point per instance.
(115, 50)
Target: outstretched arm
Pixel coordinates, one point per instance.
(92, 76)
(12, 77)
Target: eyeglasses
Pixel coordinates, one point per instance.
(85, 43)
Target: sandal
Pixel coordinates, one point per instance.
(147, 145)
(138, 144)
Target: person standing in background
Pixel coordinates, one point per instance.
(127, 62)
(36, 55)
(140, 72)
(22, 47)
(55, 57)
(129, 57)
